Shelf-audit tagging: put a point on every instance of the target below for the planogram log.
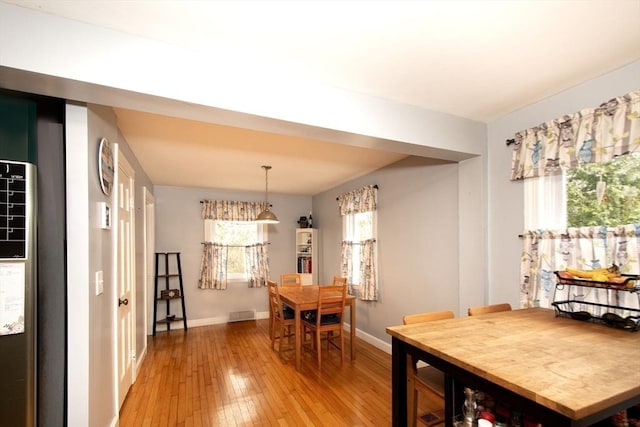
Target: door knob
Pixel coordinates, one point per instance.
(123, 302)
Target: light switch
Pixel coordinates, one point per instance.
(99, 283)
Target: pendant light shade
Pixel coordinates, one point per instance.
(266, 216)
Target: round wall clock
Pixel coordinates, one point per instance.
(105, 166)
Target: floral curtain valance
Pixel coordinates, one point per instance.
(595, 135)
(364, 199)
(228, 210)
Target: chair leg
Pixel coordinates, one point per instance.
(281, 338)
(412, 394)
(273, 335)
(289, 334)
(342, 346)
(318, 350)
(272, 325)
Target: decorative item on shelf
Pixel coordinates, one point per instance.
(170, 293)
(469, 408)
(303, 222)
(310, 225)
(266, 216)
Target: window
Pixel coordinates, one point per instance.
(357, 228)
(358, 249)
(593, 194)
(237, 235)
(604, 193)
(586, 218)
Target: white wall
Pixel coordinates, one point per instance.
(179, 228)
(91, 368)
(418, 240)
(505, 214)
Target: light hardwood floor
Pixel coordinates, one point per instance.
(227, 375)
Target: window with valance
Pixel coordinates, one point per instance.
(541, 157)
(235, 246)
(359, 246)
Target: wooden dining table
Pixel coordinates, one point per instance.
(303, 298)
(561, 371)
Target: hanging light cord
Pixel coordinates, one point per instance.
(266, 186)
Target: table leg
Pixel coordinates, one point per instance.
(352, 309)
(298, 337)
(398, 383)
(449, 400)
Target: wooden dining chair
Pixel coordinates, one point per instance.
(281, 319)
(327, 319)
(338, 280)
(291, 279)
(486, 309)
(424, 379)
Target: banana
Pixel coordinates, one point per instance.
(581, 273)
(600, 277)
(599, 274)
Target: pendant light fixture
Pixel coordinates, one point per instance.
(266, 216)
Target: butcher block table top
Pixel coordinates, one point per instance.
(572, 367)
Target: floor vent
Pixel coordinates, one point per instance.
(239, 316)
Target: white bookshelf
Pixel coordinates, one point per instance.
(307, 255)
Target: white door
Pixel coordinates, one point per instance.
(125, 276)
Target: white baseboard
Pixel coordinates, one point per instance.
(193, 323)
(139, 361)
(376, 342)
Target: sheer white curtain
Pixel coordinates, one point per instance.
(545, 203)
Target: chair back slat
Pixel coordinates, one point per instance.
(337, 280)
(427, 317)
(485, 309)
(274, 299)
(290, 279)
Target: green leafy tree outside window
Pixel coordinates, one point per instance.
(621, 202)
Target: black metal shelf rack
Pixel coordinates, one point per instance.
(617, 316)
(168, 294)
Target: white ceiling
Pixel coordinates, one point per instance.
(474, 59)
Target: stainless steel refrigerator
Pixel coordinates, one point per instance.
(17, 293)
